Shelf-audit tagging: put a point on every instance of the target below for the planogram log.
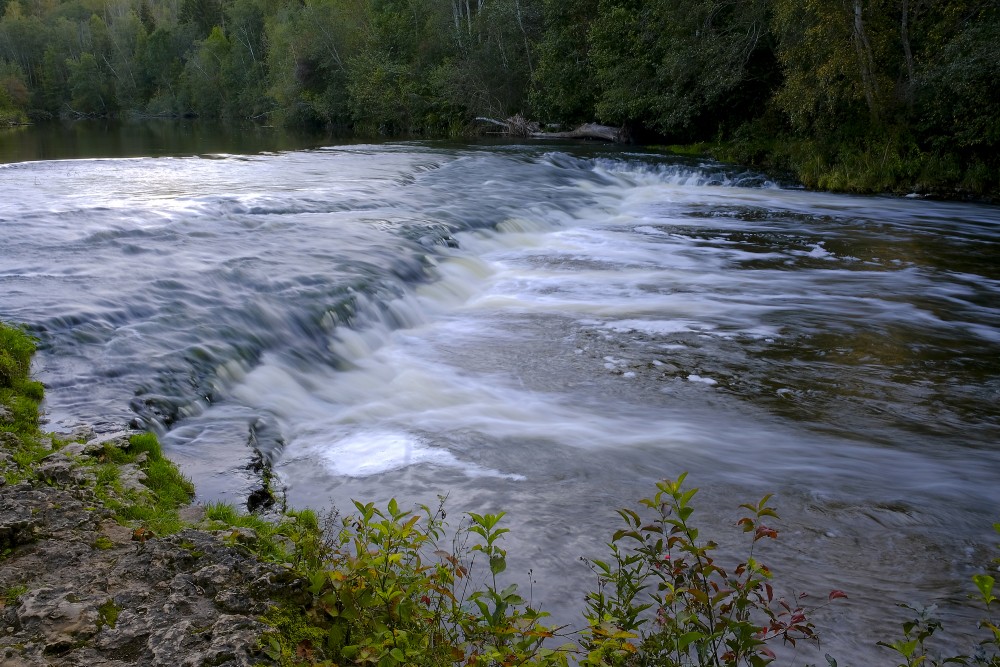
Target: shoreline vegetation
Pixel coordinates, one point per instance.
(858, 96)
(103, 560)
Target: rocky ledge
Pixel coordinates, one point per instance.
(80, 588)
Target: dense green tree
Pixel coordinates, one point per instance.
(956, 92)
(839, 62)
(14, 95)
(675, 66)
(202, 84)
(22, 40)
(563, 86)
(246, 70)
(91, 91)
(310, 48)
(202, 14)
(160, 63)
(53, 90)
(491, 66)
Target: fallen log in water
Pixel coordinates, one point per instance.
(518, 126)
(587, 131)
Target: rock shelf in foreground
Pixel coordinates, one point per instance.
(78, 588)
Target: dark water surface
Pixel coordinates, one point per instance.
(544, 329)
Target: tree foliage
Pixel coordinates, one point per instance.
(914, 79)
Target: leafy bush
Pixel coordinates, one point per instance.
(702, 614)
(385, 590)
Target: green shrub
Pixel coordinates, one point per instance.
(700, 613)
(383, 591)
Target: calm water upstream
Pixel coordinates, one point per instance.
(543, 329)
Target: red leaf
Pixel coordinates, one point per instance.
(768, 652)
(837, 594)
(764, 531)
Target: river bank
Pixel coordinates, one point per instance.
(103, 562)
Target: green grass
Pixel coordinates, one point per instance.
(103, 543)
(20, 398)
(107, 614)
(16, 348)
(267, 543)
(168, 489)
(13, 594)
(145, 443)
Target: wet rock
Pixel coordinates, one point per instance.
(115, 532)
(213, 578)
(78, 433)
(225, 642)
(260, 499)
(6, 415)
(192, 513)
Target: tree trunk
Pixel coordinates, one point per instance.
(865, 61)
(904, 33)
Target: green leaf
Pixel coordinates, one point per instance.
(398, 655)
(685, 640)
(905, 649)
(498, 564)
(335, 637)
(984, 583)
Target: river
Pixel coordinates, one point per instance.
(545, 329)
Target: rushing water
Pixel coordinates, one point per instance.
(546, 330)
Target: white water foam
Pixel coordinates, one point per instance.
(366, 453)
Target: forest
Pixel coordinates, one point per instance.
(858, 95)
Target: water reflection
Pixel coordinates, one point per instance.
(148, 137)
